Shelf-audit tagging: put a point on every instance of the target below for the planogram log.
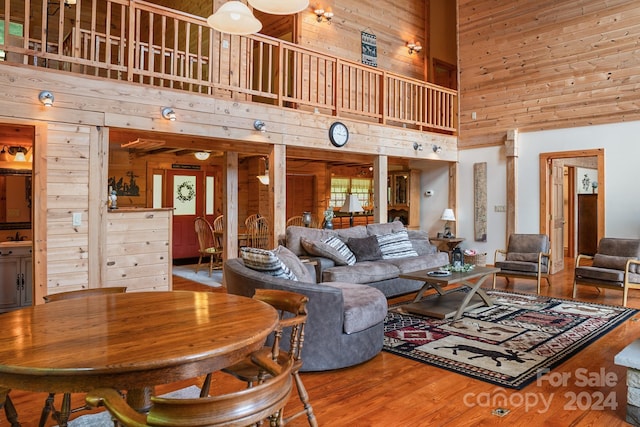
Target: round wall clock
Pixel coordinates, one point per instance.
(338, 134)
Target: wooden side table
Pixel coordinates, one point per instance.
(450, 242)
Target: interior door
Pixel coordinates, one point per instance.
(557, 216)
(185, 193)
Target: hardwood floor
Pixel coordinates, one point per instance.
(393, 391)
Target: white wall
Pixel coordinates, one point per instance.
(434, 176)
(622, 204)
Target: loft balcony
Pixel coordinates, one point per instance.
(144, 43)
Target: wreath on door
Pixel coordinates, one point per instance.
(186, 192)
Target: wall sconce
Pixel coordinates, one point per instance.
(414, 47)
(69, 2)
(264, 179)
(436, 149)
(260, 125)
(4, 155)
(46, 98)
(202, 155)
(18, 153)
(169, 114)
(321, 14)
(417, 147)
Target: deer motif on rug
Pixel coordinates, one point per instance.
(510, 355)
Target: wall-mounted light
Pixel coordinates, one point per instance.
(260, 125)
(69, 2)
(202, 155)
(46, 98)
(417, 147)
(234, 17)
(280, 7)
(436, 149)
(321, 15)
(4, 155)
(264, 179)
(169, 114)
(18, 152)
(414, 47)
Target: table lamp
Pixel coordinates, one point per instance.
(447, 216)
(351, 205)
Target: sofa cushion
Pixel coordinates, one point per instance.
(604, 274)
(295, 265)
(294, 233)
(522, 256)
(365, 248)
(364, 306)
(385, 228)
(266, 261)
(613, 262)
(332, 248)
(420, 262)
(395, 245)
(358, 231)
(520, 266)
(361, 272)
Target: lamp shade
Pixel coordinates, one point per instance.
(448, 215)
(280, 7)
(234, 17)
(352, 204)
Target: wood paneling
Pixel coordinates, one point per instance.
(139, 249)
(545, 64)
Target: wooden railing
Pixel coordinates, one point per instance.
(141, 42)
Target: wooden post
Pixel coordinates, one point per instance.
(380, 202)
(230, 205)
(511, 145)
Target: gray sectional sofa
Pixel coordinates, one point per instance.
(379, 273)
(347, 303)
(345, 324)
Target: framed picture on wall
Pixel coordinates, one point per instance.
(586, 180)
(369, 49)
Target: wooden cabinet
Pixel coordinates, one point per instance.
(16, 277)
(402, 187)
(587, 224)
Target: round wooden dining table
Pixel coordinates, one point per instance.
(130, 341)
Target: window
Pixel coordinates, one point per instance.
(361, 187)
(15, 29)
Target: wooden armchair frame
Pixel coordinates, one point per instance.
(624, 287)
(538, 276)
(245, 407)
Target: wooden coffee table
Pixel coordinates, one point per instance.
(449, 303)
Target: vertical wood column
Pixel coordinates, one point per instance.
(453, 194)
(230, 205)
(278, 191)
(380, 202)
(511, 145)
(39, 218)
(97, 212)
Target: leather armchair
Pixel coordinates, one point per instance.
(615, 265)
(528, 256)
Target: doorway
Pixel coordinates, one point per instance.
(553, 194)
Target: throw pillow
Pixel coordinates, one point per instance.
(294, 264)
(365, 249)
(332, 248)
(266, 261)
(395, 245)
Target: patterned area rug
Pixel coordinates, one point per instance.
(507, 344)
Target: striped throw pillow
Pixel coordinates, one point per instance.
(341, 248)
(266, 261)
(395, 245)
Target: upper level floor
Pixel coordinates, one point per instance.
(152, 45)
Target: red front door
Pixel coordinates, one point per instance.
(185, 193)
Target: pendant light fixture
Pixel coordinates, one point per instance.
(234, 17)
(280, 7)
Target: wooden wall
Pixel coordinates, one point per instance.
(393, 22)
(545, 64)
